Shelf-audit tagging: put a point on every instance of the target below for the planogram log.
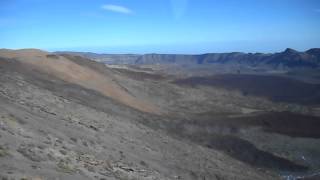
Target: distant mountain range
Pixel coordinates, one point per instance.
(289, 58)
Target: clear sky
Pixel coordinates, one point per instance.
(160, 26)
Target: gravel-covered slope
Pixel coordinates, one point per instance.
(54, 129)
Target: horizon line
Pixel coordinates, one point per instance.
(130, 53)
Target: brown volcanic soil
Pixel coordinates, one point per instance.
(273, 87)
(22, 53)
(100, 67)
(84, 76)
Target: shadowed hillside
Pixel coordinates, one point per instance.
(272, 87)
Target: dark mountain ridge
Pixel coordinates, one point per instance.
(289, 58)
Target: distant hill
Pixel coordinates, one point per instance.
(289, 58)
(76, 70)
(105, 58)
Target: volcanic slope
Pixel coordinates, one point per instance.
(61, 119)
(69, 71)
(267, 121)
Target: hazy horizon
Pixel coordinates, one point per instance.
(108, 51)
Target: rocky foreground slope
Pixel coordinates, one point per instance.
(57, 122)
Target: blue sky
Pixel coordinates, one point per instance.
(160, 26)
